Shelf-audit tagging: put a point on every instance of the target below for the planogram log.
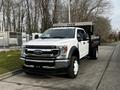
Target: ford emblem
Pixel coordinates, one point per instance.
(38, 52)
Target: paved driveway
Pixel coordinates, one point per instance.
(90, 77)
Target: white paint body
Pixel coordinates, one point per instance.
(83, 46)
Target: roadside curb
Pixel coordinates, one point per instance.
(9, 74)
(109, 61)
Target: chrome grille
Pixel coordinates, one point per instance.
(40, 47)
(36, 53)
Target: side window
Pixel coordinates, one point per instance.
(82, 34)
(79, 35)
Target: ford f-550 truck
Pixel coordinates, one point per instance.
(60, 49)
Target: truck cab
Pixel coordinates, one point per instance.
(58, 50)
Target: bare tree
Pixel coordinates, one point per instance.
(38, 15)
(87, 10)
(102, 28)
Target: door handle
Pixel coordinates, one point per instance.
(84, 43)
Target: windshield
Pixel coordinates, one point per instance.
(58, 33)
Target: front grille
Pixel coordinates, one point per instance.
(41, 47)
(38, 52)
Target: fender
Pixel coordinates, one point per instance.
(73, 51)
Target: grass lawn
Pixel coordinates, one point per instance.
(10, 61)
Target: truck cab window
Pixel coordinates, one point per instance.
(82, 34)
(79, 35)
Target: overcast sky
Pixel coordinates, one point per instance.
(115, 17)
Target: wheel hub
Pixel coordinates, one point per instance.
(76, 67)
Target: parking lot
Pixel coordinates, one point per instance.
(100, 74)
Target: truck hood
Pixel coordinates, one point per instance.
(49, 42)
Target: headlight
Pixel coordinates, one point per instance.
(63, 51)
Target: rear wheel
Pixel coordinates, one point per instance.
(73, 69)
(94, 53)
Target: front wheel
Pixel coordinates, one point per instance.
(73, 69)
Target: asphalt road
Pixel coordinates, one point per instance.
(101, 74)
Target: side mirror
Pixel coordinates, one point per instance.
(79, 38)
(36, 36)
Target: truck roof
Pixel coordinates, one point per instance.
(73, 24)
(87, 26)
(66, 27)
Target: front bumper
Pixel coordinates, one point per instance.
(43, 71)
(46, 64)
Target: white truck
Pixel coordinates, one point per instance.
(60, 49)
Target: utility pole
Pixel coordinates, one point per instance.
(69, 11)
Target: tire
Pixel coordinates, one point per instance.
(94, 53)
(73, 69)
